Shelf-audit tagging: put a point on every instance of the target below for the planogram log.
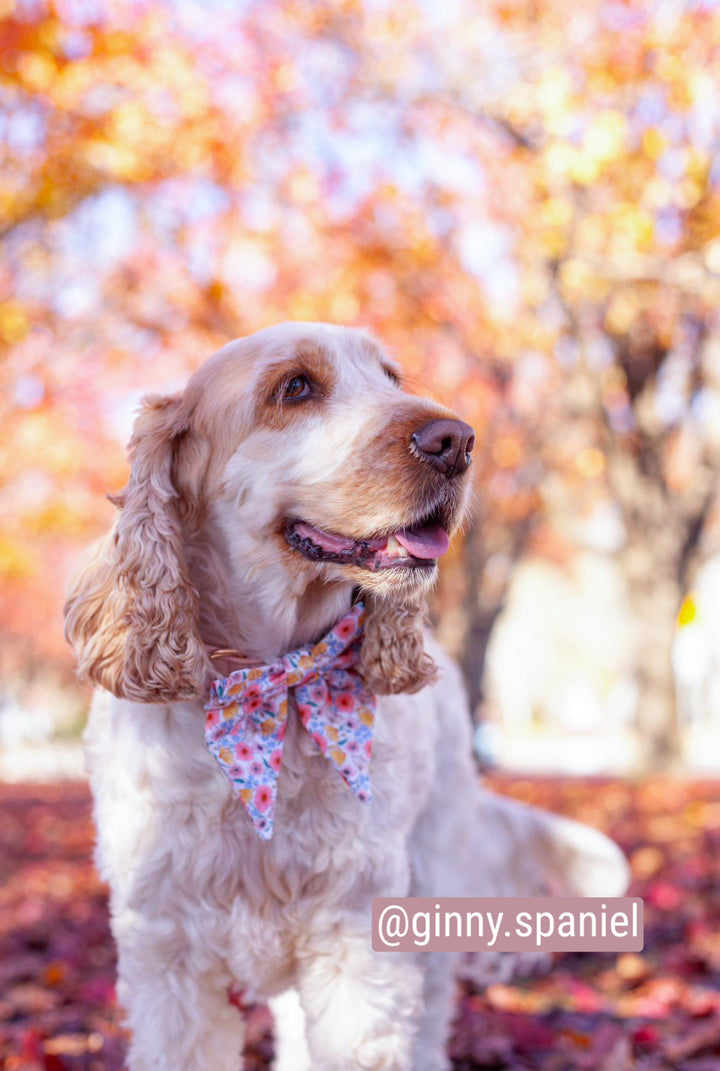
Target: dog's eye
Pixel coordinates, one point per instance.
(297, 387)
(392, 375)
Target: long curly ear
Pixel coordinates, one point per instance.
(393, 657)
(132, 613)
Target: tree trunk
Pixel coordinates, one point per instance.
(483, 601)
(655, 596)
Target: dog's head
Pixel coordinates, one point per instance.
(294, 465)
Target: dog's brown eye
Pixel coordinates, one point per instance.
(392, 375)
(297, 387)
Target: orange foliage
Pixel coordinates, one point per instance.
(506, 194)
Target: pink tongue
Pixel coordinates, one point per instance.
(429, 542)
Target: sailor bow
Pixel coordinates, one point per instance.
(248, 710)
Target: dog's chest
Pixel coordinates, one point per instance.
(325, 838)
(174, 840)
(330, 854)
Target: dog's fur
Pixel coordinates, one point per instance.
(198, 560)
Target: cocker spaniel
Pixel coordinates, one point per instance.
(281, 525)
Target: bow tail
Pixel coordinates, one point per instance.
(248, 749)
(260, 805)
(341, 724)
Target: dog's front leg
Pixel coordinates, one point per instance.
(177, 1008)
(362, 1007)
(291, 1051)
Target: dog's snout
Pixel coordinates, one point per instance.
(445, 444)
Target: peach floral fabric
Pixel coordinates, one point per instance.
(247, 718)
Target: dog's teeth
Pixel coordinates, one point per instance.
(393, 547)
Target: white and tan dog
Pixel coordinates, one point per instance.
(293, 471)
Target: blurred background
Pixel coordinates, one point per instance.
(522, 200)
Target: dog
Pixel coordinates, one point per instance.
(295, 484)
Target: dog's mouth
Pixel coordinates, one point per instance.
(416, 546)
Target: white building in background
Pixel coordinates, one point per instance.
(559, 678)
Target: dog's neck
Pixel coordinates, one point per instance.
(269, 627)
(261, 610)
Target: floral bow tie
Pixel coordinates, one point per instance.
(247, 717)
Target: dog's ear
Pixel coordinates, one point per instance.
(132, 613)
(393, 656)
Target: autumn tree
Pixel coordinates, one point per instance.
(621, 241)
(521, 200)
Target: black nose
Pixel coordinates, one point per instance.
(446, 444)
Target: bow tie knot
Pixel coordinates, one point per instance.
(247, 718)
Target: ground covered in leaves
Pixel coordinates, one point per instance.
(655, 1011)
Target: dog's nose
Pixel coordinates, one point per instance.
(446, 444)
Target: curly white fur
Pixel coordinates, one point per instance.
(197, 559)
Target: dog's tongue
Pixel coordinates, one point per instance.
(426, 541)
(430, 541)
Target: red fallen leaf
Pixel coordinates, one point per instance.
(583, 997)
(664, 895)
(53, 1063)
(31, 1044)
(646, 1037)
